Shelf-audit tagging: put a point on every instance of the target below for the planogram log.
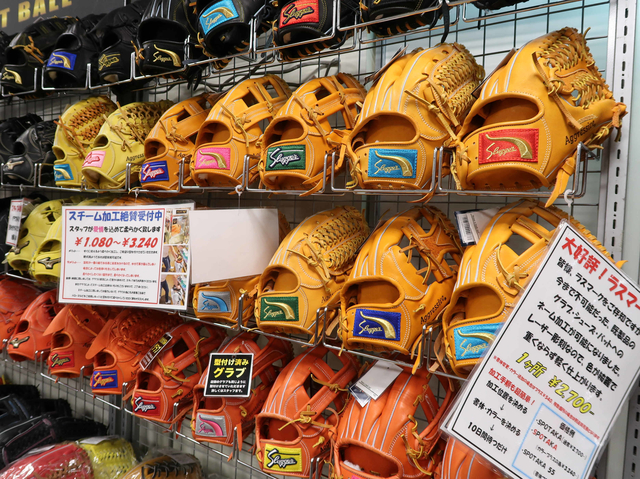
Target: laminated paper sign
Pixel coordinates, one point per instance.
(544, 399)
(126, 256)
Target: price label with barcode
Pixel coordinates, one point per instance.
(472, 223)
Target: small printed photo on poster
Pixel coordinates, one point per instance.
(178, 230)
(172, 289)
(175, 259)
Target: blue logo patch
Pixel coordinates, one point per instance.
(104, 379)
(392, 163)
(154, 171)
(62, 60)
(377, 324)
(62, 173)
(217, 14)
(209, 302)
(472, 341)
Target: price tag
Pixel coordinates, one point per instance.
(148, 358)
(229, 375)
(542, 402)
(472, 223)
(15, 219)
(126, 255)
(378, 378)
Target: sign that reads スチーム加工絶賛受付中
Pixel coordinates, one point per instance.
(542, 402)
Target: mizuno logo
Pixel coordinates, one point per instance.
(216, 158)
(405, 165)
(11, 75)
(15, 342)
(12, 165)
(387, 327)
(56, 59)
(49, 263)
(173, 57)
(523, 146)
(283, 307)
(17, 249)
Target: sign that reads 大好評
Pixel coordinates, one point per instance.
(126, 255)
(543, 400)
(17, 15)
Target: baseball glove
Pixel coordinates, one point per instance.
(77, 128)
(295, 143)
(388, 299)
(121, 142)
(110, 458)
(292, 429)
(28, 51)
(32, 147)
(25, 391)
(72, 331)
(415, 107)
(308, 269)
(170, 378)
(28, 338)
(171, 140)
(460, 462)
(11, 129)
(122, 343)
(219, 300)
(67, 461)
(304, 20)
(77, 47)
(15, 297)
(215, 418)
(491, 276)
(5, 40)
(166, 467)
(524, 130)
(371, 10)
(232, 130)
(382, 439)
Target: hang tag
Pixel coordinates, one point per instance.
(471, 224)
(148, 358)
(378, 378)
(15, 218)
(360, 396)
(98, 439)
(181, 458)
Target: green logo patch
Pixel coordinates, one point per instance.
(279, 309)
(286, 157)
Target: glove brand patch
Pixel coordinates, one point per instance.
(107, 60)
(162, 55)
(154, 171)
(278, 458)
(210, 426)
(62, 172)
(472, 341)
(65, 358)
(48, 262)
(216, 14)
(146, 406)
(95, 159)
(302, 11)
(62, 60)
(214, 301)
(385, 163)
(286, 157)
(213, 158)
(508, 145)
(104, 379)
(16, 342)
(279, 309)
(377, 324)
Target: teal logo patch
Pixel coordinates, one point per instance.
(286, 157)
(472, 341)
(217, 14)
(387, 163)
(62, 173)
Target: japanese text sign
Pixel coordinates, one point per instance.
(229, 375)
(15, 219)
(542, 402)
(126, 255)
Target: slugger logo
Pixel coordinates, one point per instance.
(217, 14)
(11, 75)
(508, 145)
(213, 158)
(279, 309)
(292, 12)
(283, 458)
(104, 379)
(287, 157)
(471, 341)
(302, 11)
(62, 60)
(377, 324)
(143, 405)
(154, 171)
(105, 61)
(171, 56)
(211, 426)
(387, 163)
(214, 302)
(58, 360)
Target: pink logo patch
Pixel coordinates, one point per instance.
(213, 159)
(94, 159)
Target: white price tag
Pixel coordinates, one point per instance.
(359, 395)
(15, 219)
(378, 378)
(472, 223)
(542, 402)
